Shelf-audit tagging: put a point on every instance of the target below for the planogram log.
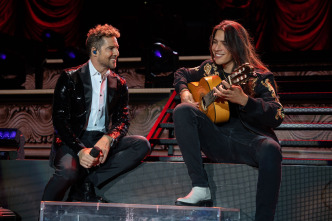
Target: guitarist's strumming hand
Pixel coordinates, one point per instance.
(232, 93)
(187, 97)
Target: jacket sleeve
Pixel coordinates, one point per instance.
(183, 76)
(120, 116)
(181, 79)
(264, 109)
(62, 119)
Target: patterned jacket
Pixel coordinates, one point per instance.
(72, 106)
(261, 114)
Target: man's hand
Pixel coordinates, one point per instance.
(86, 160)
(232, 93)
(187, 97)
(104, 144)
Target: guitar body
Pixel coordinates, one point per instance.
(218, 110)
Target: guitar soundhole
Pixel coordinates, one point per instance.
(203, 104)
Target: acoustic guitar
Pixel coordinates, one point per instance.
(216, 108)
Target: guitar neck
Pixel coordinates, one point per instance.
(237, 77)
(209, 97)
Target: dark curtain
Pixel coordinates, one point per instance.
(279, 25)
(38, 16)
(287, 25)
(7, 16)
(59, 16)
(301, 25)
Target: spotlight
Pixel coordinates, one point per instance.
(71, 54)
(74, 57)
(3, 56)
(162, 59)
(12, 78)
(54, 43)
(160, 63)
(11, 143)
(157, 53)
(47, 34)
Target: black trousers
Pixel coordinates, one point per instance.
(127, 154)
(229, 143)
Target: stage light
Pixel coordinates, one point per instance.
(50, 35)
(9, 137)
(47, 34)
(73, 57)
(157, 53)
(54, 43)
(160, 62)
(11, 143)
(3, 56)
(12, 78)
(162, 59)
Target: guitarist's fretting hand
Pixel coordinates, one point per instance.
(187, 97)
(232, 93)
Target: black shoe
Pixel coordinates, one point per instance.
(84, 193)
(202, 203)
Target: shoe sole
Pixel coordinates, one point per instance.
(87, 200)
(203, 203)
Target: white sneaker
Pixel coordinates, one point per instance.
(198, 196)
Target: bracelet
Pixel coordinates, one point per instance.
(111, 140)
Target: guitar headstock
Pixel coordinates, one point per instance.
(242, 74)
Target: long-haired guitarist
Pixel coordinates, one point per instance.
(234, 83)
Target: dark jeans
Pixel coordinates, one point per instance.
(229, 143)
(127, 154)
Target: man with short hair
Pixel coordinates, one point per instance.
(90, 109)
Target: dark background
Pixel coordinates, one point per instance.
(283, 32)
(185, 26)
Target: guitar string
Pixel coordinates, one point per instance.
(211, 97)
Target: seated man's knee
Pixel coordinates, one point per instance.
(145, 143)
(271, 151)
(182, 110)
(142, 144)
(182, 107)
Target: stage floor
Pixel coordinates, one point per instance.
(305, 194)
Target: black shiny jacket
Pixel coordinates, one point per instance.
(72, 105)
(263, 111)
